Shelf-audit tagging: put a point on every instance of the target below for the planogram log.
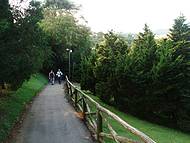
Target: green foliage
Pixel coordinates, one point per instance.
(13, 105)
(23, 47)
(60, 4)
(87, 81)
(36, 38)
(180, 31)
(111, 49)
(148, 79)
(180, 35)
(64, 33)
(5, 10)
(4, 26)
(97, 38)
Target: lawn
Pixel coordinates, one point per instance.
(11, 106)
(158, 133)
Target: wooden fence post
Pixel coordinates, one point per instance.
(99, 125)
(75, 96)
(84, 108)
(71, 93)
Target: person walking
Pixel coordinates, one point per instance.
(59, 74)
(51, 77)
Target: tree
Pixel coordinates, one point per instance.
(88, 80)
(134, 73)
(180, 31)
(64, 33)
(180, 36)
(60, 4)
(25, 49)
(5, 36)
(108, 52)
(5, 10)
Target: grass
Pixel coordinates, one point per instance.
(158, 133)
(12, 106)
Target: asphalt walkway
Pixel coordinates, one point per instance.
(52, 119)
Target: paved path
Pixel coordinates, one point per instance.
(51, 119)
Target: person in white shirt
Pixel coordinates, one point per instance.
(59, 74)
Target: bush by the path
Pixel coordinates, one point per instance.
(11, 106)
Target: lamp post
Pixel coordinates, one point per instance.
(70, 51)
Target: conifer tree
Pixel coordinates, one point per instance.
(180, 36)
(180, 30)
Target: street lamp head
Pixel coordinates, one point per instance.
(69, 50)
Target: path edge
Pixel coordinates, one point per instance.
(18, 124)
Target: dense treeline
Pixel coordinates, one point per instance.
(23, 46)
(148, 78)
(35, 38)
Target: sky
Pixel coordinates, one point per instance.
(129, 16)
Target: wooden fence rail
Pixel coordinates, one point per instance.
(97, 117)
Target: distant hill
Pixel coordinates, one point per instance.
(161, 32)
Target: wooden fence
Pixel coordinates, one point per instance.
(99, 119)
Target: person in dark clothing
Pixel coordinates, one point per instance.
(52, 77)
